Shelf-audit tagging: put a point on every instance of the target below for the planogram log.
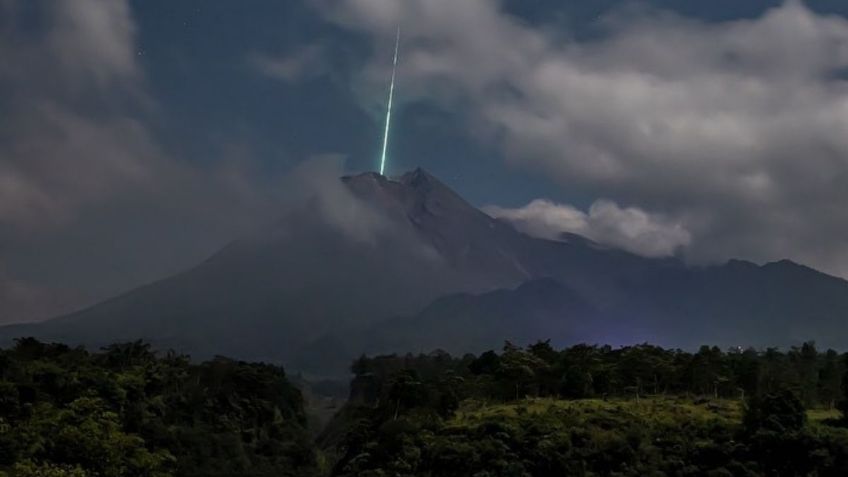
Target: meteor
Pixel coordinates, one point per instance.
(389, 109)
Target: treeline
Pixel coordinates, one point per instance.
(585, 371)
(127, 412)
(656, 412)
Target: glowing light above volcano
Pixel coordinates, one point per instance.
(389, 108)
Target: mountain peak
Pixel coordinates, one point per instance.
(363, 177)
(415, 179)
(465, 237)
(414, 191)
(419, 178)
(784, 263)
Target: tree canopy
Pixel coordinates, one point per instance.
(127, 412)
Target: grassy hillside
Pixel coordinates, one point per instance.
(670, 411)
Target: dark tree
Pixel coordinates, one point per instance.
(830, 379)
(781, 411)
(843, 404)
(805, 364)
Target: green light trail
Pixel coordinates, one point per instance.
(389, 109)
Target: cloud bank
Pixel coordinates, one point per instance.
(736, 130)
(628, 228)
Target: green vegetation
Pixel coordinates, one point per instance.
(590, 410)
(125, 412)
(535, 411)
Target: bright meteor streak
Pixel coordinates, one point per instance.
(389, 109)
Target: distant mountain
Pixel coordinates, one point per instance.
(414, 266)
(538, 309)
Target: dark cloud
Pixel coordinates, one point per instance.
(22, 301)
(737, 130)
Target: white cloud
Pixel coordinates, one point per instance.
(94, 40)
(629, 228)
(70, 143)
(738, 130)
(61, 160)
(314, 185)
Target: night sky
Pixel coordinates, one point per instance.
(138, 137)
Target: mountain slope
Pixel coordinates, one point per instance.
(461, 323)
(264, 296)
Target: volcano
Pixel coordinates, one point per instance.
(406, 264)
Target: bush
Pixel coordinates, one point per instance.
(780, 411)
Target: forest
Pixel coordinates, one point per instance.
(125, 411)
(521, 411)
